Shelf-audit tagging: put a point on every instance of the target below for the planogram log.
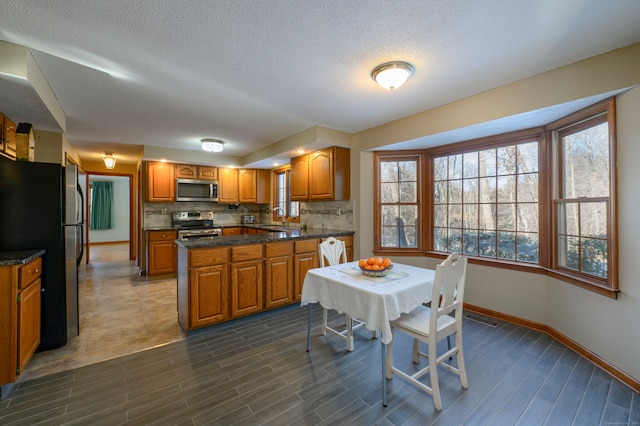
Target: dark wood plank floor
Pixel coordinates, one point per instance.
(255, 371)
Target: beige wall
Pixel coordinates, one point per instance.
(609, 328)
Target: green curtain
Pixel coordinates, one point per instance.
(102, 206)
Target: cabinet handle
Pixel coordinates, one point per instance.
(35, 271)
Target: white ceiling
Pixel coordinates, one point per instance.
(169, 73)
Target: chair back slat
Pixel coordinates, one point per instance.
(332, 251)
(448, 286)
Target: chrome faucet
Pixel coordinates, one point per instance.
(284, 221)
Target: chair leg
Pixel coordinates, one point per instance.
(416, 351)
(433, 374)
(324, 322)
(462, 370)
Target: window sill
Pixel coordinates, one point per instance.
(593, 286)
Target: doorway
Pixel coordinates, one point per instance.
(121, 227)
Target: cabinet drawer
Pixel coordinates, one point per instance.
(207, 257)
(163, 235)
(306, 246)
(240, 253)
(279, 249)
(231, 231)
(29, 272)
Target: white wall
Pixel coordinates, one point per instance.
(120, 211)
(609, 328)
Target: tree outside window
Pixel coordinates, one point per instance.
(399, 187)
(486, 202)
(582, 209)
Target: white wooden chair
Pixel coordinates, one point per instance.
(332, 252)
(432, 324)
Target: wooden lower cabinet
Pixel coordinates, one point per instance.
(161, 252)
(203, 290)
(208, 296)
(246, 280)
(222, 283)
(20, 296)
(306, 257)
(279, 274)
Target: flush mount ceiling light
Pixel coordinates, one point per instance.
(392, 75)
(212, 145)
(109, 160)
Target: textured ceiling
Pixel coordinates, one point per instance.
(168, 73)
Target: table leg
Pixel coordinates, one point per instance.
(309, 330)
(384, 374)
(349, 337)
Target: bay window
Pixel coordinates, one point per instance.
(540, 199)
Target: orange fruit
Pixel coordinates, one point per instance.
(371, 261)
(362, 263)
(374, 267)
(386, 262)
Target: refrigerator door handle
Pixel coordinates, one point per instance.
(82, 220)
(79, 258)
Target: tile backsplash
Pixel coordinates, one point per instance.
(317, 214)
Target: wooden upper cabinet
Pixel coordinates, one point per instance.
(161, 182)
(248, 188)
(299, 178)
(254, 186)
(228, 186)
(186, 171)
(9, 135)
(190, 171)
(207, 173)
(321, 175)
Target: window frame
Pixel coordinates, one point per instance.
(549, 174)
(379, 157)
(591, 116)
(483, 144)
(286, 170)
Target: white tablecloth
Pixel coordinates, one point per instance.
(376, 301)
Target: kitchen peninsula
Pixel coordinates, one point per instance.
(228, 277)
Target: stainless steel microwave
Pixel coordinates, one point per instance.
(196, 190)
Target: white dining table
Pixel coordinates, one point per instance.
(375, 300)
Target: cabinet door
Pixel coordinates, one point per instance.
(321, 175)
(28, 323)
(303, 262)
(208, 296)
(299, 178)
(246, 287)
(207, 173)
(161, 182)
(9, 128)
(248, 186)
(228, 186)
(279, 274)
(162, 257)
(279, 281)
(186, 171)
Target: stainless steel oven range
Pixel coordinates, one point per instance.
(192, 225)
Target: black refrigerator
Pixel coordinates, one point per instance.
(42, 207)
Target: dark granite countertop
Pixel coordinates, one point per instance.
(19, 257)
(277, 233)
